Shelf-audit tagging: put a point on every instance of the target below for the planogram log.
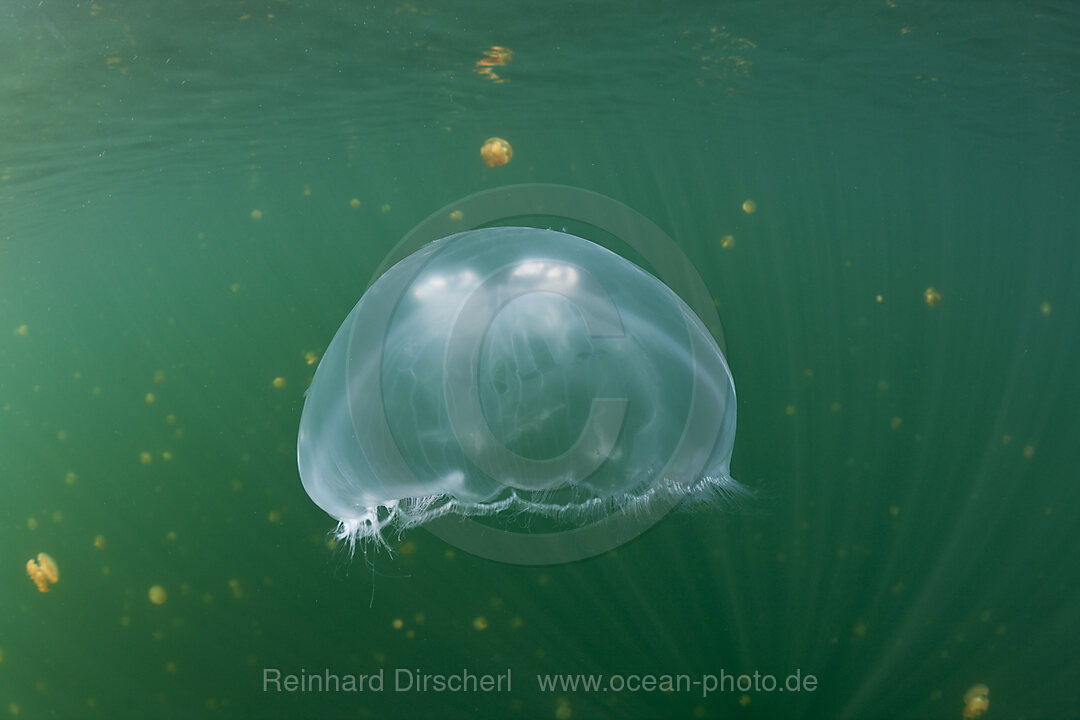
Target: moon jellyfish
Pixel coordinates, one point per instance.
(516, 375)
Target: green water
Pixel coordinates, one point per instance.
(916, 534)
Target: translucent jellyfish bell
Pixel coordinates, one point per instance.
(513, 371)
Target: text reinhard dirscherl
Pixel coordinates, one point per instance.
(401, 680)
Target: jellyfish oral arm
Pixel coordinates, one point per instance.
(367, 524)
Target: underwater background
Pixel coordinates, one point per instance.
(194, 194)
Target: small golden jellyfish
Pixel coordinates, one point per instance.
(311, 358)
(354, 203)
(496, 56)
(159, 376)
(157, 595)
(727, 242)
(71, 478)
(256, 214)
(1045, 309)
(22, 330)
(145, 458)
(456, 215)
(43, 572)
(932, 297)
(480, 623)
(749, 207)
(496, 152)
(1029, 452)
(150, 399)
(99, 542)
(879, 298)
(279, 382)
(384, 208)
(976, 701)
